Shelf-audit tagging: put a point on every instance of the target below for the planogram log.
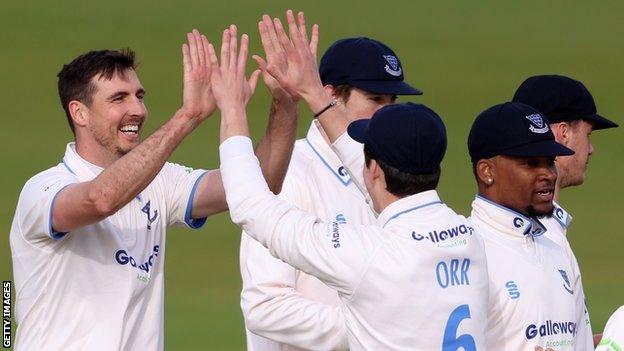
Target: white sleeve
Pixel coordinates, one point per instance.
(613, 335)
(180, 183)
(351, 154)
(271, 305)
(35, 205)
(336, 254)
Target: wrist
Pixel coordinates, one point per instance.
(318, 99)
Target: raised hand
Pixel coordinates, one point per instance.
(231, 88)
(198, 101)
(290, 58)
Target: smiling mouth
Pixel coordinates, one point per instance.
(130, 129)
(546, 194)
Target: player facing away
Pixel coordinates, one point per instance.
(534, 299)
(88, 236)
(285, 308)
(613, 336)
(571, 112)
(414, 280)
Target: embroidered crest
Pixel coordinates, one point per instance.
(566, 281)
(150, 218)
(537, 124)
(393, 65)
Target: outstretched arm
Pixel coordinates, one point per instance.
(84, 203)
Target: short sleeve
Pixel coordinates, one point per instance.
(35, 205)
(180, 185)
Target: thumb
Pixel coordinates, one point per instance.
(253, 80)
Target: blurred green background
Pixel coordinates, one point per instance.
(465, 55)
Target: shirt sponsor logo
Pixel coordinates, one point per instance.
(446, 234)
(122, 257)
(512, 290)
(550, 328)
(518, 222)
(335, 234)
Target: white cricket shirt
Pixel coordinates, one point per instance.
(278, 301)
(533, 302)
(556, 230)
(99, 287)
(415, 281)
(613, 335)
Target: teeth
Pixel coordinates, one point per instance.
(130, 128)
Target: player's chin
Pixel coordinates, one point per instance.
(541, 208)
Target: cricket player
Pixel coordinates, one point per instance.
(613, 336)
(571, 112)
(533, 303)
(88, 236)
(414, 280)
(285, 308)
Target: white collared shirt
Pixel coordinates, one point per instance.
(99, 287)
(613, 335)
(415, 281)
(557, 227)
(278, 301)
(533, 301)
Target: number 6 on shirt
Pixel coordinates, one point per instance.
(452, 342)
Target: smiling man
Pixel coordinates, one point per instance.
(88, 236)
(534, 299)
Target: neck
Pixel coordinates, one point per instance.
(95, 154)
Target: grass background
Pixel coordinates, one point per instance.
(465, 55)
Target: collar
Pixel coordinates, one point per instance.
(81, 168)
(408, 204)
(317, 143)
(561, 216)
(506, 220)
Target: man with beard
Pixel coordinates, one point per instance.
(532, 303)
(571, 112)
(88, 236)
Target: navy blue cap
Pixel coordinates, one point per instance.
(512, 129)
(561, 99)
(409, 137)
(366, 64)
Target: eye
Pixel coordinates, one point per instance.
(140, 96)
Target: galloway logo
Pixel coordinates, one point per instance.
(550, 328)
(393, 65)
(122, 257)
(537, 124)
(150, 219)
(566, 281)
(518, 222)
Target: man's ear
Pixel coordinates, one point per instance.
(330, 90)
(562, 132)
(486, 171)
(79, 113)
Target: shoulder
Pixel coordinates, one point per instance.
(301, 161)
(44, 180)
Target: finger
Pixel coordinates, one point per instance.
(214, 63)
(192, 49)
(262, 64)
(186, 58)
(233, 46)
(270, 26)
(253, 80)
(281, 36)
(303, 31)
(295, 36)
(225, 47)
(265, 39)
(242, 55)
(206, 53)
(314, 40)
(200, 48)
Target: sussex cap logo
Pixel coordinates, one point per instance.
(393, 65)
(537, 124)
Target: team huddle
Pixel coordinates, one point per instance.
(346, 243)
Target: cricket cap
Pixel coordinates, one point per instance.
(561, 99)
(409, 137)
(366, 64)
(512, 129)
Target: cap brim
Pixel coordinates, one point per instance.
(392, 87)
(544, 148)
(358, 129)
(600, 122)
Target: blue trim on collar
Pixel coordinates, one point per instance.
(559, 220)
(194, 223)
(328, 166)
(67, 166)
(410, 210)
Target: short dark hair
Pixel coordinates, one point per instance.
(74, 79)
(401, 183)
(343, 91)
